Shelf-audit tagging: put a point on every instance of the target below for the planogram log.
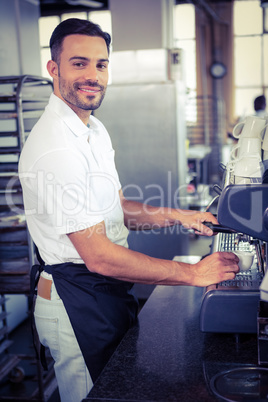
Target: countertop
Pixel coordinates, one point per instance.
(165, 356)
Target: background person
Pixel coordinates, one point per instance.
(260, 106)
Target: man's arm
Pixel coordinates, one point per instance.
(106, 258)
(138, 216)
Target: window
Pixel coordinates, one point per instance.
(250, 56)
(46, 27)
(184, 38)
(48, 24)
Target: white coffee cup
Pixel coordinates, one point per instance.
(247, 180)
(246, 146)
(265, 141)
(245, 259)
(247, 169)
(242, 180)
(249, 166)
(253, 126)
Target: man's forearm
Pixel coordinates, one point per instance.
(138, 216)
(106, 258)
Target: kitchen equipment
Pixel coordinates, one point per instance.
(263, 333)
(241, 384)
(232, 306)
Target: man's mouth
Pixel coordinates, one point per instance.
(89, 90)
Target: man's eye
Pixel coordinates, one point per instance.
(102, 66)
(78, 64)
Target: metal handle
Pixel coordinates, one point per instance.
(211, 202)
(219, 228)
(217, 189)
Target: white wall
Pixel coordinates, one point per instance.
(141, 24)
(19, 38)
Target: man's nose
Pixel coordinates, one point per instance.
(91, 73)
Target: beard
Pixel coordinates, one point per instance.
(70, 94)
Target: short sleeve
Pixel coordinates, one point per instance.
(68, 193)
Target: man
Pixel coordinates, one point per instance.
(78, 218)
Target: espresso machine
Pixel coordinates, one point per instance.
(232, 306)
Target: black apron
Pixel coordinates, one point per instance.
(101, 309)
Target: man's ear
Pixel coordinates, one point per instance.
(52, 68)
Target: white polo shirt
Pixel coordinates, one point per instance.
(69, 182)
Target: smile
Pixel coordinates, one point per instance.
(89, 90)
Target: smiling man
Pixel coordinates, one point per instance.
(79, 219)
(80, 80)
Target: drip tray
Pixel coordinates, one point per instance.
(241, 384)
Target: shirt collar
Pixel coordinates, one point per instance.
(69, 117)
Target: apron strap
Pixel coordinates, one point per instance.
(34, 278)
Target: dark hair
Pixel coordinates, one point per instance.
(74, 26)
(260, 103)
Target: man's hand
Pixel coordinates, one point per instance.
(197, 220)
(217, 267)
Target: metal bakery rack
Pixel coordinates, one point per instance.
(22, 101)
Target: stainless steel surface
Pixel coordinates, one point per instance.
(241, 384)
(146, 125)
(143, 121)
(232, 306)
(259, 256)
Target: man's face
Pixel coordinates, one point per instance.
(82, 72)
